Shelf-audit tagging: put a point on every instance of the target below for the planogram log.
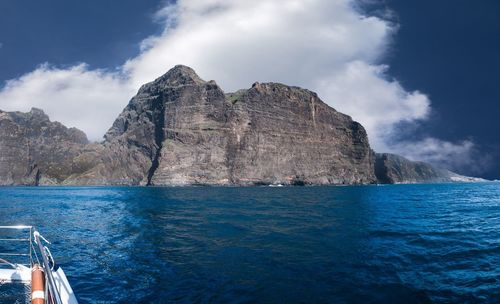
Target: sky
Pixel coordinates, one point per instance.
(421, 76)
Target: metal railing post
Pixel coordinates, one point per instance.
(54, 292)
(31, 257)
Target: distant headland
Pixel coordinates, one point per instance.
(182, 130)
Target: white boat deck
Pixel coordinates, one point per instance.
(20, 275)
(18, 253)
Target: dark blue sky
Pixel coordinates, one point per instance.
(448, 49)
(102, 33)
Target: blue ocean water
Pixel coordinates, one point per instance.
(358, 244)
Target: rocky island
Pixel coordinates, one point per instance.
(182, 130)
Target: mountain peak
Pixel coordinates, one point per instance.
(179, 75)
(37, 111)
(182, 69)
(38, 114)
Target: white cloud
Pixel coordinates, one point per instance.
(75, 96)
(239, 42)
(362, 91)
(327, 46)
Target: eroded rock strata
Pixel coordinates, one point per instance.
(182, 130)
(34, 150)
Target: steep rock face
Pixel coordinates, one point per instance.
(282, 134)
(34, 150)
(150, 122)
(188, 131)
(194, 137)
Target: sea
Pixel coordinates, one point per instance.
(428, 243)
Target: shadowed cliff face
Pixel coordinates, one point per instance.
(164, 111)
(34, 150)
(181, 130)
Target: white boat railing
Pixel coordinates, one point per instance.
(22, 234)
(45, 253)
(15, 243)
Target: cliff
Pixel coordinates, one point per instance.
(182, 130)
(34, 150)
